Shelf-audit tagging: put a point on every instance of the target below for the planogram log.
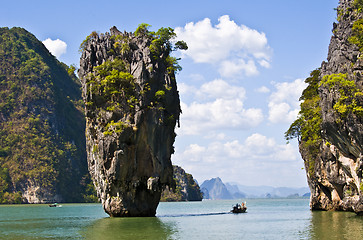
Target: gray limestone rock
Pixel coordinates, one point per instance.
(337, 183)
(130, 128)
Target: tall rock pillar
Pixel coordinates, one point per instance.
(132, 106)
(335, 168)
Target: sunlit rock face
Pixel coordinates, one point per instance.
(132, 106)
(336, 179)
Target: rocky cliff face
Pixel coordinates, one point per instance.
(186, 189)
(132, 107)
(215, 189)
(335, 171)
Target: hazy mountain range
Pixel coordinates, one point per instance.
(216, 189)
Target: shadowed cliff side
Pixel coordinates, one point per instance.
(329, 128)
(132, 107)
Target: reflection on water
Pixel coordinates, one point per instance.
(336, 225)
(266, 219)
(129, 228)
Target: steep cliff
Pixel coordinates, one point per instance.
(186, 189)
(215, 189)
(329, 127)
(132, 107)
(42, 145)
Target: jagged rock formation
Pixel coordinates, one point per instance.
(331, 132)
(338, 180)
(132, 107)
(186, 188)
(42, 145)
(234, 191)
(215, 189)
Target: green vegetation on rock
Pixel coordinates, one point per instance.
(161, 45)
(41, 122)
(114, 127)
(132, 107)
(307, 128)
(357, 34)
(110, 85)
(186, 188)
(358, 5)
(357, 28)
(329, 126)
(93, 35)
(351, 98)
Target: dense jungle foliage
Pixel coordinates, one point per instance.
(42, 141)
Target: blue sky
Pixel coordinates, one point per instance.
(242, 74)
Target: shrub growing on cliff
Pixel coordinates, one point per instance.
(142, 29)
(307, 128)
(162, 46)
(93, 35)
(351, 98)
(307, 123)
(357, 28)
(357, 34)
(358, 4)
(109, 83)
(160, 94)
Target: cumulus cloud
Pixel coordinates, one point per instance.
(235, 49)
(242, 161)
(219, 88)
(231, 68)
(284, 102)
(56, 47)
(216, 105)
(196, 77)
(263, 89)
(219, 114)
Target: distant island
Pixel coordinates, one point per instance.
(215, 189)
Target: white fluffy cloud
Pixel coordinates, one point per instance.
(234, 160)
(235, 49)
(220, 89)
(56, 47)
(216, 105)
(284, 102)
(229, 68)
(263, 89)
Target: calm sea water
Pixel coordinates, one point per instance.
(265, 219)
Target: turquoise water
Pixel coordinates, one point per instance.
(265, 219)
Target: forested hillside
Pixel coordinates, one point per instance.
(42, 142)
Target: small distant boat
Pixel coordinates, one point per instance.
(55, 205)
(239, 209)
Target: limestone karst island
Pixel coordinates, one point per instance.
(129, 112)
(132, 107)
(106, 133)
(330, 125)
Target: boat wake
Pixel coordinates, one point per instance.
(193, 214)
